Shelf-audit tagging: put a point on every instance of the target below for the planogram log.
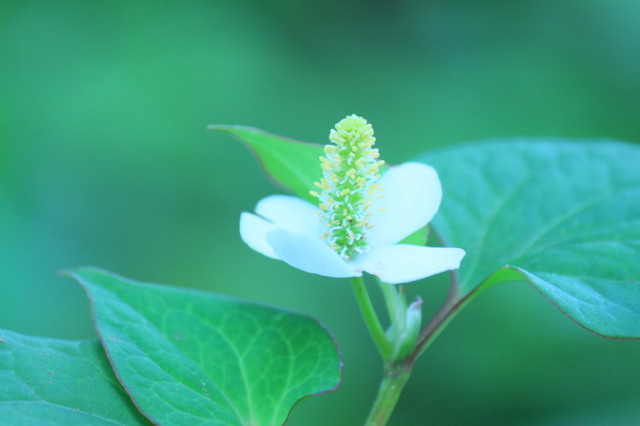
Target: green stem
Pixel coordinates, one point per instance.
(451, 306)
(395, 305)
(449, 309)
(370, 317)
(394, 379)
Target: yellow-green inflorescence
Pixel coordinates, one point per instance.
(350, 170)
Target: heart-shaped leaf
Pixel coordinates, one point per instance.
(188, 357)
(57, 382)
(563, 216)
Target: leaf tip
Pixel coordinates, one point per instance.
(75, 272)
(228, 128)
(220, 127)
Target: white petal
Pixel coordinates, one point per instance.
(411, 196)
(310, 254)
(253, 230)
(402, 263)
(291, 213)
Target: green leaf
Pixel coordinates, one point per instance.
(417, 238)
(188, 357)
(563, 216)
(291, 164)
(57, 382)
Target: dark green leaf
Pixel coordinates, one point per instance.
(188, 357)
(57, 382)
(564, 216)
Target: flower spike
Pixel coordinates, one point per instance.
(350, 170)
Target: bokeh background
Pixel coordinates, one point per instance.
(105, 161)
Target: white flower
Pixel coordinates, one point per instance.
(356, 230)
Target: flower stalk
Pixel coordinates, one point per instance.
(370, 317)
(395, 346)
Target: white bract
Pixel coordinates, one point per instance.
(360, 218)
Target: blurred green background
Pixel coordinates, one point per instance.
(104, 161)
